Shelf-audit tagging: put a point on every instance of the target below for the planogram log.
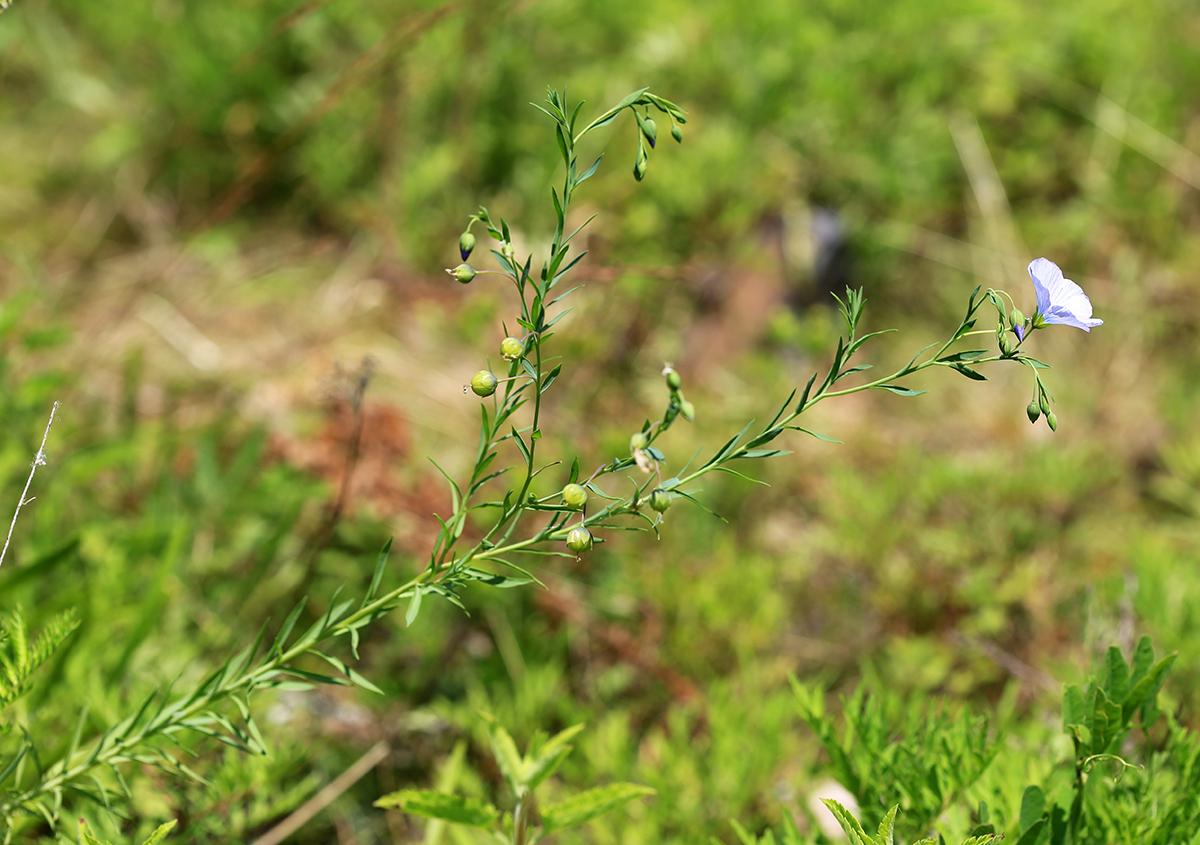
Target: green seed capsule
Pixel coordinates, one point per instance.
(674, 382)
(579, 540)
(687, 410)
(574, 496)
(466, 243)
(1033, 412)
(638, 442)
(483, 383)
(511, 348)
(1052, 421)
(660, 500)
(463, 272)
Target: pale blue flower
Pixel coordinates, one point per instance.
(1059, 300)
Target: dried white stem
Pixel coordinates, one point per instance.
(38, 460)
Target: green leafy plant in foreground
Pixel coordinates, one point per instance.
(920, 762)
(480, 541)
(523, 774)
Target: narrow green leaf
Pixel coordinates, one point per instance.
(815, 434)
(587, 805)
(493, 579)
(522, 448)
(551, 377)
(587, 174)
(377, 575)
(160, 833)
(968, 372)
(961, 357)
(348, 670)
(804, 396)
(763, 453)
(900, 391)
(439, 805)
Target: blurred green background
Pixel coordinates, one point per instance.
(211, 212)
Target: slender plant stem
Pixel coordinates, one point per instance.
(38, 460)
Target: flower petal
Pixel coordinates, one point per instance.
(1060, 300)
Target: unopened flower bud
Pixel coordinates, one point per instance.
(506, 249)
(1033, 412)
(1017, 318)
(674, 382)
(1044, 403)
(1005, 343)
(463, 272)
(639, 169)
(574, 496)
(660, 500)
(1052, 421)
(466, 243)
(579, 540)
(638, 442)
(650, 130)
(511, 348)
(687, 410)
(677, 133)
(483, 383)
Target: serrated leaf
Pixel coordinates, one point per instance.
(886, 832)
(1074, 708)
(439, 805)
(1116, 674)
(590, 804)
(551, 755)
(854, 831)
(510, 761)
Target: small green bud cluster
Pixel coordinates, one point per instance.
(1041, 406)
(648, 129)
(679, 405)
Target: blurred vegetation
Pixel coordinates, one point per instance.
(205, 207)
